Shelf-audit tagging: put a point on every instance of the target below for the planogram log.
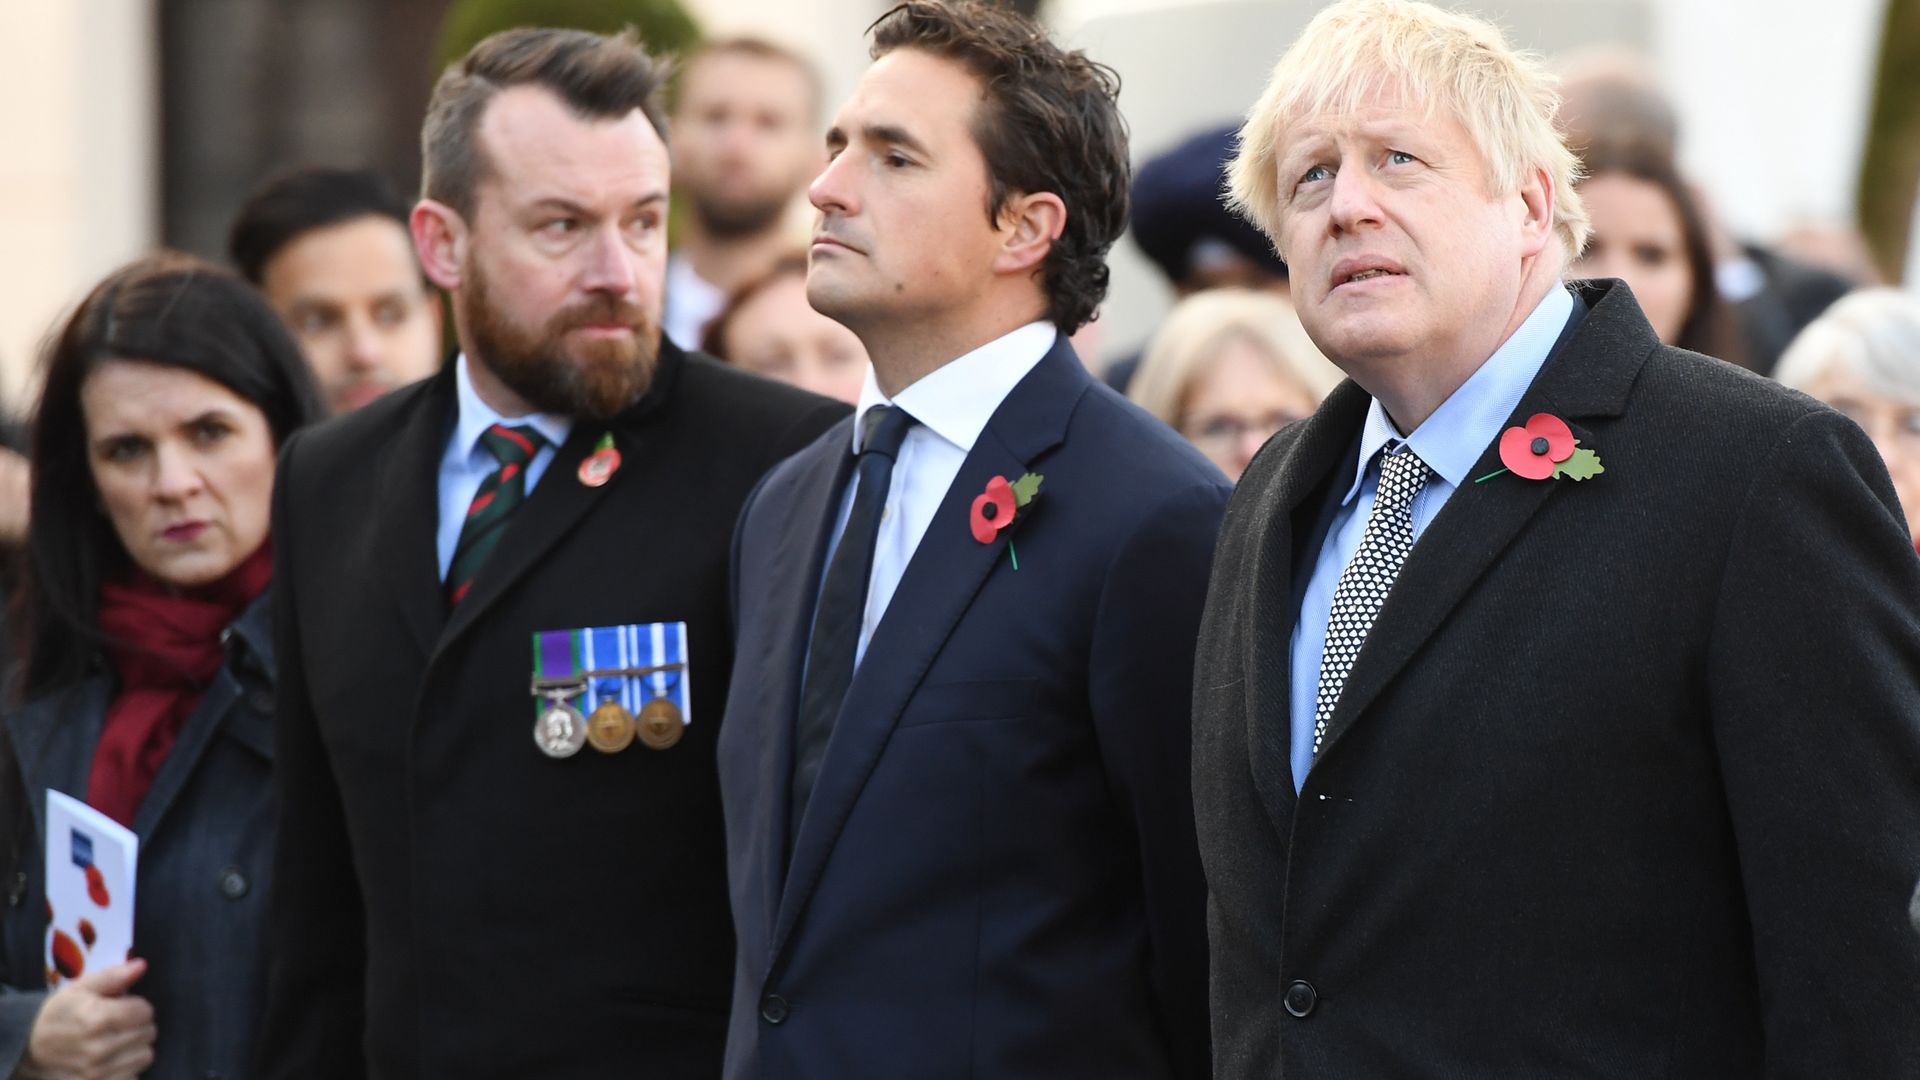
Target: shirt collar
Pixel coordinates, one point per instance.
(956, 400)
(1465, 424)
(476, 416)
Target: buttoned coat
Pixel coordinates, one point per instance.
(995, 875)
(452, 902)
(206, 852)
(1625, 780)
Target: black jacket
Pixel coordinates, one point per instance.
(206, 850)
(452, 902)
(1625, 781)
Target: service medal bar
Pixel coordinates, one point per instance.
(615, 673)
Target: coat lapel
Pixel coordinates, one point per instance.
(561, 499)
(1307, 464)
(946, 572)
(1587, 377)
(219, 708)
(407, 504)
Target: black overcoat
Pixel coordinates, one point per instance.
(1624, 782)
(452, 902)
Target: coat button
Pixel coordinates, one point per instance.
(1301, 997)
(773, 1009)
(233, 883)
(17, 890)
(261, 701)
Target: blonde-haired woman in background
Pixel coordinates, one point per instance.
(1227, 369)
(1862, 356)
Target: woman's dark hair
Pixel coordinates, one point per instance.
(1710, 326)
(168, 309)
(713, 341)
(1049, 122)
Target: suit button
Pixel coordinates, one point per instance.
(1301, 998)
(773, 1009)
(233, 883)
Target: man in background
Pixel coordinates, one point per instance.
(744, 142)
(1179, 222)
(329, 248)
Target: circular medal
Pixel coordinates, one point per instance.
(561, 731)
(660, 724)
(610, 728)
(599, 466)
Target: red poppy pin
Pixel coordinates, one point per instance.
(996, 508)
(1545, 448)
(599, 466)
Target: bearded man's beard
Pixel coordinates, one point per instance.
(593, 379)
(732, 218)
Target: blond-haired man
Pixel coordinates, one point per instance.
(1558, 695)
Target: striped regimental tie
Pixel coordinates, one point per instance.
(500, 494)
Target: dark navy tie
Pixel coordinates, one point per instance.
(843, 602)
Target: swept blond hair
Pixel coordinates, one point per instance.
(1354, 49)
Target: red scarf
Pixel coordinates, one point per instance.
(165, 648)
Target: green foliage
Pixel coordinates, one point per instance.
(665, 27)
(1890, 164)
(1583, 465)
(1025, 488)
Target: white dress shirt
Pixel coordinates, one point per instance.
(466, 463)
(689, 304)
(952, 405)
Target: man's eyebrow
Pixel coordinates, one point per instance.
(895, 135)
(885, 134)
(568, 206)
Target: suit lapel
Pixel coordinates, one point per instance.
(1308, 464)
(407, 504)
(1587, 377)
(793, 589)
(946, 572)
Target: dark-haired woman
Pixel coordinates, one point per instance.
(1648, 231)
(147, 667)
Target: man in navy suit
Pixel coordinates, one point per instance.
(955, 757)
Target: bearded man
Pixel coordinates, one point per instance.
(745, 140)
(498, 591)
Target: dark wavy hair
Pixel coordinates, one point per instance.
(169, 309)
(1711, 326)
(1050, 122)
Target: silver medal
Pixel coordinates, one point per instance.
(561, 731)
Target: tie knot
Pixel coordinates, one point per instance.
(883, 429)
(1402, 475)
(512, 445)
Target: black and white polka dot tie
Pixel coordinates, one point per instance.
(1368, 578)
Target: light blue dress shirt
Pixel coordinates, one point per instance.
(1450, 442)
(466, 463)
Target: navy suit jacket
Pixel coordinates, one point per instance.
(996, 875)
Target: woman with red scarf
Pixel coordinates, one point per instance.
(147, 666)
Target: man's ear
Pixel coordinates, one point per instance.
(1537, 198)
(1029, 224)
(440, 240)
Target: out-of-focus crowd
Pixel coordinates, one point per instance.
(327, 308)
